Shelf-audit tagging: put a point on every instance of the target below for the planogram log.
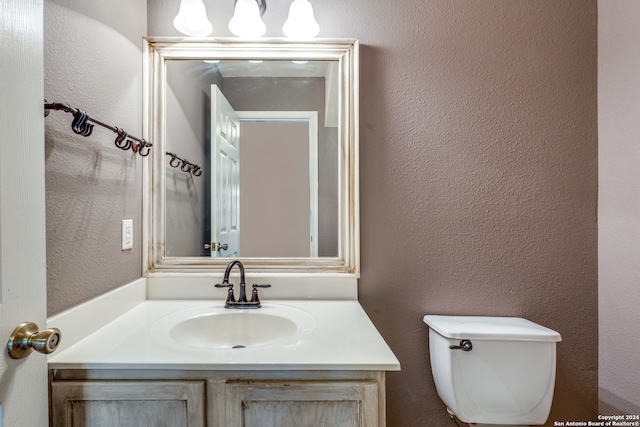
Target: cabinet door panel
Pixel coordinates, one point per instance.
(302, 404)
(301, 413)
(132, 413)
(128, 404)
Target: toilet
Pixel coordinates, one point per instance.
(493, 371)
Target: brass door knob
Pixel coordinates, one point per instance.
(26, 338)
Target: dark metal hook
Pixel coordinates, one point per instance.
(137, 147)
(186, 166)
(146, 153)
(174, 158)
(123, 136)
(196, 170)
(80, 124)
(142, 147)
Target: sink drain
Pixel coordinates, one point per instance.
(239, 346)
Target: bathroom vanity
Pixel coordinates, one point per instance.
(216, 398)
(163, 351)
(330, 370)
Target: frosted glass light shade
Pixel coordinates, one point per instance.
(192, 19)
(301, 23)
(246, 21)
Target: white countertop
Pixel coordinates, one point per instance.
(343, 338)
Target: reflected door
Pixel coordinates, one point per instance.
(225, 188)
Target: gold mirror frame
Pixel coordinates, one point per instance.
(156, 52)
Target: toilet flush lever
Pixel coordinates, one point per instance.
(465, 345)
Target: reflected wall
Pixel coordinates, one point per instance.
(188, 213)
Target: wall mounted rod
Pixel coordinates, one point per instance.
(82, 125)
(184, 164)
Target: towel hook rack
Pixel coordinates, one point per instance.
(83, 124)
(184, 164)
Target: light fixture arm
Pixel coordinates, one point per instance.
(262, 5)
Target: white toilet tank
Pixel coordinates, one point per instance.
(508, 375)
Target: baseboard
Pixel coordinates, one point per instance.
(611, 404)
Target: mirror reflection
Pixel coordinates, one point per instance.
(270, 129)
(265, 135)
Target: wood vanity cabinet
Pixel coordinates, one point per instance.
(109, 398)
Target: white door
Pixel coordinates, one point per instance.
(225, 188)
(23, 382)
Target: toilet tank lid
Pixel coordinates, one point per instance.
(490, 328)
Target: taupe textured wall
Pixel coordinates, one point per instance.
(93, 61)
(478, 177)
(188, 115)
(274, 200)
(479, 167)
(275, 94)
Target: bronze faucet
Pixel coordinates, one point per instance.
(242, 299)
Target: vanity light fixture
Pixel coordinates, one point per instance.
(247, 18)
(192, 19)
(301, 23)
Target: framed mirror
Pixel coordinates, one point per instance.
(255, 155)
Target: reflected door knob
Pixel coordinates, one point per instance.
(216, 246)
(26, 338)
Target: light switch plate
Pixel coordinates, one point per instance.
(127, 234)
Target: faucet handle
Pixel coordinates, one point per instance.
(230, 297)
(254, 292)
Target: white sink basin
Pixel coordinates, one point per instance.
(214, 327)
